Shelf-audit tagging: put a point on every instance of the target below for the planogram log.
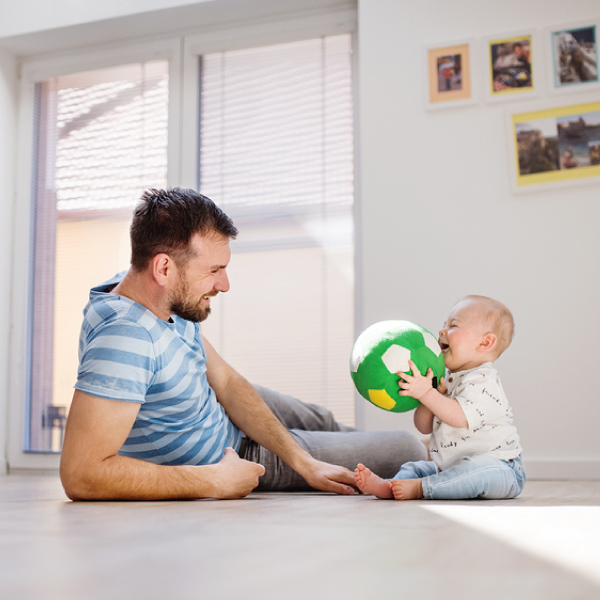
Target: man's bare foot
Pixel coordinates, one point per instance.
(407, 489)
(369, 483)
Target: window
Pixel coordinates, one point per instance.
(101, 138)
(276, 152)
(275, 149)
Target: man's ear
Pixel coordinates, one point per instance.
(488, 342)
(162, 265)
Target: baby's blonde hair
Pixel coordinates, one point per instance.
(498, 318)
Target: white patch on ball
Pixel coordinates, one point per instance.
(396, 359)
(355, 360)
(367, 340)
(432, 343)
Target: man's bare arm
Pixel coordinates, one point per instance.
(91, 468)
(250, 413)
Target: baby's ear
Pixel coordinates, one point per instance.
(488, 342)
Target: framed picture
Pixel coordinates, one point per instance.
(553, 145)
(573, 58)
(512, 66)
(449, 81)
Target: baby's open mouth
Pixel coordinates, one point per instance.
(444, 346)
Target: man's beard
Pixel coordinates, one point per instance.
(190, 311)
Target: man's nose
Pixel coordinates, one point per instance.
(222, 283)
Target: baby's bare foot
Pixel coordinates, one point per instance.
(407, 489)
(369, 483)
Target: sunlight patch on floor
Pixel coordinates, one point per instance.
(567, 536)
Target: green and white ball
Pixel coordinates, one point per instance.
(384, 349)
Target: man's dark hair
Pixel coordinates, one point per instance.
(165, 220)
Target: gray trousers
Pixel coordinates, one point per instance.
(317, 431)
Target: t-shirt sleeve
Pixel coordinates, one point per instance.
(117, 363)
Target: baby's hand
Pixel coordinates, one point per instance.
(415, 385)
(442, 388)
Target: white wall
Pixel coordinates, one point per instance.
(38, 27)
(439, 221)
(438, 217)
(28, 16)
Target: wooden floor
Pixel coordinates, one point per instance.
(545, 544)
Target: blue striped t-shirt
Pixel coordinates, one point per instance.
(127, 353)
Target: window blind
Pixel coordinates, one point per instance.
(101, 139)
(276, 152)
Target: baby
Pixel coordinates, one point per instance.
(474, 445)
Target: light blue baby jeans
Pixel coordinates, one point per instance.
(471, 477)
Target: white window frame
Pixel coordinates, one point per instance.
(182, 155)
(33, 72)
(252, 35)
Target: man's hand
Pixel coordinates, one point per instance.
(415, 385)
(250, 414)
(329, 478)
(235, 477)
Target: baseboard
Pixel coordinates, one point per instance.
(540, 469)
(571, 469)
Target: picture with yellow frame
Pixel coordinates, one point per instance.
(511, 71)
(560, 144)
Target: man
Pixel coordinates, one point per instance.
(158, 414)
